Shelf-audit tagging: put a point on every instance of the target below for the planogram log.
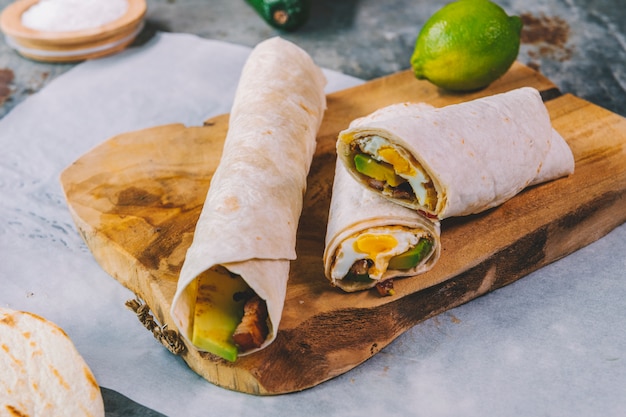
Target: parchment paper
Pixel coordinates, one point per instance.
(552, 343)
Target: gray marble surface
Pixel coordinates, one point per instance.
(550, 344)
(579, 44)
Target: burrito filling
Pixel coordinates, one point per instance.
(390, 169)
(366, 257)
(229, 318)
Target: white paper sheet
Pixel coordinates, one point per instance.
(45, 267)
(552, 343)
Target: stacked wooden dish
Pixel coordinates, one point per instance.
(72, 45)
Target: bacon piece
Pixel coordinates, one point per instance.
(253, 330)
(361, 266)
(385, 287)
(429, 215)
(401, 194)
(376, 184)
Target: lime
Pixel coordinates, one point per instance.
(466, 45)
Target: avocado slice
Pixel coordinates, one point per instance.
(412, 257)
(381, 171)
(218, 312)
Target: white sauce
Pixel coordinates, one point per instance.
(71, 15)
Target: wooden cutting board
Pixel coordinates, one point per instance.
(136, 198)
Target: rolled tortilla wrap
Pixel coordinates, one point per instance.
(248, 224)
(460, 159)
(365, 227)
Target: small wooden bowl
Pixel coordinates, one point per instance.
(75, 45)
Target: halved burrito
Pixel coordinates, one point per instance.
(370, 240)
(232, 285)
(456, 160)
(41, 371)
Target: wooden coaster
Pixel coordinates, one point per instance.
(78, 45)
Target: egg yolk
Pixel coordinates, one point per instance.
(400, 164)
(372, 245)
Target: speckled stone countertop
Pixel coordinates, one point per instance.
(551, 344)
(579, 44)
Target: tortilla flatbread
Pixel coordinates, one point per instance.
(42, 373)
(460, 159)
(356, 212)
(250, 217)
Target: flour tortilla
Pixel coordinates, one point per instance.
(250, 217)
(478, 154)
(42, 373)
(355, 210)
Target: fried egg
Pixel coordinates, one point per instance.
(382, 150)
(378, 244)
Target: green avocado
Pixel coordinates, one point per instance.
(218, 311)
(372, 168)
(412, 257)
